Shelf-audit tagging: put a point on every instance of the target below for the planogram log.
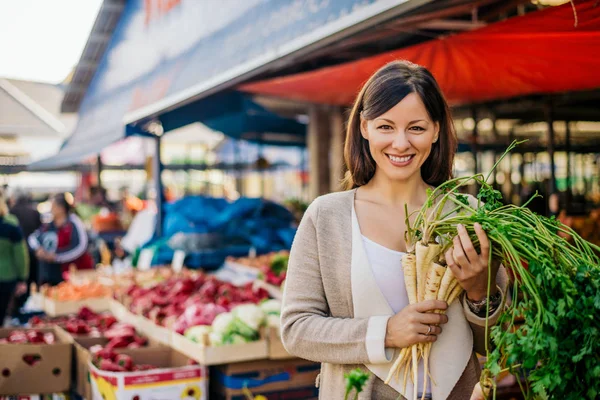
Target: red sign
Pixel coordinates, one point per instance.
(154, 9)
(144, 378)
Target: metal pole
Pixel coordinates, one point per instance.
(160, 193)
(511, 138)
(262, 171)
(551, 143)
(494, 155)
(238, 168)
(474, 145)
(99, 170)
(568, 150)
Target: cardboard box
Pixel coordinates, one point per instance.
(53, 396)
(51, 374)
(174, 380)
(289, 379)
(276, 349)
(122, 313)
(82, 358)
(151, 330)
(55, 308)
(217, 355)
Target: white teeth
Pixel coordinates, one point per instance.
(399, 159)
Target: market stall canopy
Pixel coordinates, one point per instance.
(238, 116)
(541, 52)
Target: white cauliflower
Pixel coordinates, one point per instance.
(222, 322)
(251, 315)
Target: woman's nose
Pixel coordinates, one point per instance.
(400, 141)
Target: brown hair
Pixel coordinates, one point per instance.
(384, 89)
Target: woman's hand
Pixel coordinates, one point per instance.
(411, 325)
(470, 268)
(477, 393)
(20, 289)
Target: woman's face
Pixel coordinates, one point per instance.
(400, 139)
(56, 209)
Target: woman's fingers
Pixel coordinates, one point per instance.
(456, 270)
(467, 244)
(459, 254)
(432, 318)
(484, 242)
(435, 330)
(430, 305)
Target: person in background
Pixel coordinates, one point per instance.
(14, 263)
(61, 243)
(29, 221)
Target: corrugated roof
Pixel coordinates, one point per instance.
(104, 26)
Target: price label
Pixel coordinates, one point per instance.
(145, 260)
(178, 259)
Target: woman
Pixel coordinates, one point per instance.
(14, 259)
(345, 303)
(61, 243)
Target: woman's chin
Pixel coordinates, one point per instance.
(398, 175)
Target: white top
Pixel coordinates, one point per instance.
(386, 265)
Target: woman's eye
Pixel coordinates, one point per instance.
(417, 128)
(385, 127)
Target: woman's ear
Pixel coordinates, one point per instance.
(436, 136)
(364, 131)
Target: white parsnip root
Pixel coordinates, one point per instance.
(425, 279)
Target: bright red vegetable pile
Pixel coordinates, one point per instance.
(29, 337)
(182, 302)
(86, 322)
(107, 360)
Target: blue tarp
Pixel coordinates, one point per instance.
(210, 229)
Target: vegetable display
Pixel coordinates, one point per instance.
(85, 322)
(28, 337)
(272, 266)
(554, 291)
(107, 360)
(183, 302)
(241, 325)
(67, 291)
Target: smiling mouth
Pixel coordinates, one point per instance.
(400, 159)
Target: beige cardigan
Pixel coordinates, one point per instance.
(331, 301)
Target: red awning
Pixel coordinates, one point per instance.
(541, 52)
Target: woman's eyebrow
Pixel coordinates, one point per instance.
(416, 120)
(385, 119)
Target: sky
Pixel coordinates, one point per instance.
(42, 40)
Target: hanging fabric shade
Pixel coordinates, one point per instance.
(541, 52)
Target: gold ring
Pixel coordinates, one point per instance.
(428, 330)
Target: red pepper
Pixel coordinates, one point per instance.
(108, 365)
(124, 361)
(85, 314)
(140, 340)
(106, 322)
(104, 354)
(35, 337)
(119, 342)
